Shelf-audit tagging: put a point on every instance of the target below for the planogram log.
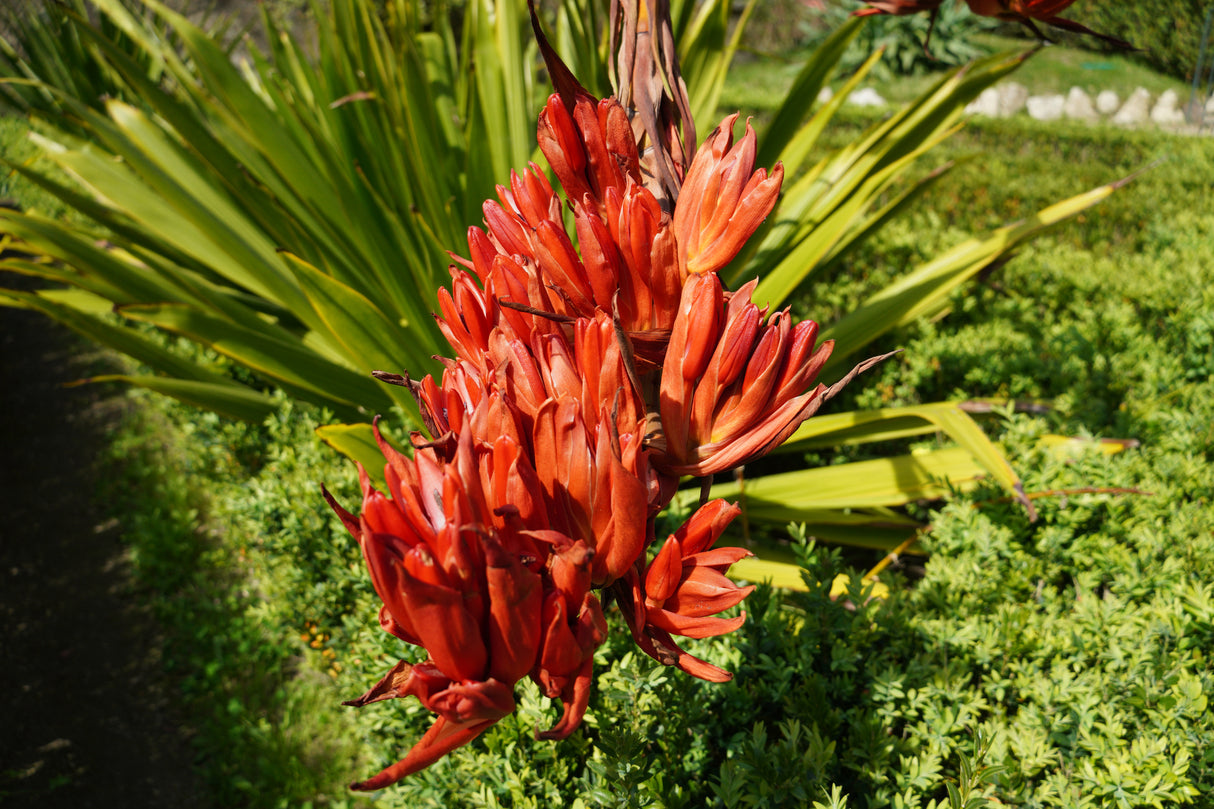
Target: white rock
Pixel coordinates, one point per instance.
(1167, 111)
(1046, 108)
(825, 95)
(987, 103)
(1079, 106)
(1012, 97)
(1107, 102)
(1210, 105)
(1136, 109)
(866, 97)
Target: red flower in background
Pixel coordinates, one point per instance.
(585, 383)
(1021, 11)
(899, 7)
(1046, 11)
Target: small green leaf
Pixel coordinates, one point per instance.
(356, 442)
(779, 574)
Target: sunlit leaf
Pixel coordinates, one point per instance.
(233, 401)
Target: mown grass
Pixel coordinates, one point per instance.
(17, 148)
(1075, 647)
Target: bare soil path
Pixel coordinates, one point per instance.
(86, 717)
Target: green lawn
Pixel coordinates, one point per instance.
(16, 147)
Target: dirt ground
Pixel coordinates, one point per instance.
(87, 717)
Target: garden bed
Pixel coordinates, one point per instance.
(1061, 661)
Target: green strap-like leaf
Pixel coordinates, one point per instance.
(818, 224)
(369, 340)
(233, 401)
(278, 359)
(356, 442)
(799, 496)
(864, 426)
(782, 575)
(802, 95)
(899, 203)
(96, 269)
(834, 199)
(79, 313)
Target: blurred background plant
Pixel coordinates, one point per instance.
(789, 29)
(903, 40)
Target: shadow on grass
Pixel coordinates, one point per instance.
(262, 717)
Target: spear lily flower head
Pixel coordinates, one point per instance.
(685, 584)
(465, 710)
(635, 256)
(586, 381)
(455, 579)
(534, 278)
(572, 631)
(589, 144)
(683, 589)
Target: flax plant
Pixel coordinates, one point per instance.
(292, 213)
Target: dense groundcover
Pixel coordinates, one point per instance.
(1061, 662)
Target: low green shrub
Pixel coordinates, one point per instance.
(1072, 652)
(264, 722)
(908, 51)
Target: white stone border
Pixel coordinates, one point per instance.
(1010, 98)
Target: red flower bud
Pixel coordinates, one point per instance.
(686, 587)
(723, 200)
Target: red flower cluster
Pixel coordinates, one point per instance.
(585, 382)
(1021, 11)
